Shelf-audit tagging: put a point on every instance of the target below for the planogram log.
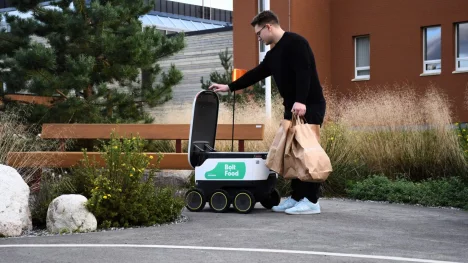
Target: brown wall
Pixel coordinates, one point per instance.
(246, 46)
(244, 40)
(311, 19)
(396, 43)
(395, 33)
(291, 14)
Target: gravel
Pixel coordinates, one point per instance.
(38, 232)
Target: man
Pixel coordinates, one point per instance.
(292, 65)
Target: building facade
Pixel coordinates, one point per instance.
(372, 43)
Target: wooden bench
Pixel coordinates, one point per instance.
(173, 161)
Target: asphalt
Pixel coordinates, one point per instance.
(345, 231)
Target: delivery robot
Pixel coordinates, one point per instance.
(224, 178)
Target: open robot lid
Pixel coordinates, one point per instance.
(203, 125)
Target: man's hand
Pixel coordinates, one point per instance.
(299, 109)
(219, 87)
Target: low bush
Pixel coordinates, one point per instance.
(451, 192)
(122, 191)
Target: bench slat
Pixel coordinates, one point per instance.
(147, 131)
(170, 161)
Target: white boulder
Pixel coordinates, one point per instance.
(68, 213)
(15, 216)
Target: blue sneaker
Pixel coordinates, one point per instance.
(288, 203)
(304, 207)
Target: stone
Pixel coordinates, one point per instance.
(68, 213)
(172, 178)
(15, 215)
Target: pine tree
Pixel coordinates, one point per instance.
(92, 53)
(253, 94)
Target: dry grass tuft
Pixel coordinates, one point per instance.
(396, 131)
(390, 130)
(17, 137)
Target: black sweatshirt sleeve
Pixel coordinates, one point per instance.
(252, 76)
(303, 67)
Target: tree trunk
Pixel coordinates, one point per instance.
(109, 105)
(88, 92)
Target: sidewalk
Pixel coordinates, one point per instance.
(346, 231)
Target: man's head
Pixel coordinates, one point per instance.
(266, 25)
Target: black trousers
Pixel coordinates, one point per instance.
(315, 114)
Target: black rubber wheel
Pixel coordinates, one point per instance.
(273, 199)
(195, 200)
(244, 202)
(220, 201)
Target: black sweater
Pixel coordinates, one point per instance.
(291, 63)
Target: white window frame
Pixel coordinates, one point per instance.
(457, 59)
(356, 68)
(426, 62)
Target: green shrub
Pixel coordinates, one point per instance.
(122, 191)
(452, 191)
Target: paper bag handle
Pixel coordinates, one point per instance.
(297, 120)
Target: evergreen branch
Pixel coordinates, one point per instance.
(40, 74)
(61, 93)
(7, 40)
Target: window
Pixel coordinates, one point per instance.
(432, 49)
(362, 57)
(461, 46)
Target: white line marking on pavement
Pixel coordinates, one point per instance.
(319, 253)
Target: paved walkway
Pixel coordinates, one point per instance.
(346, 231)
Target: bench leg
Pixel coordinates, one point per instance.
(178, 146)
(62, 145)
(241, 145)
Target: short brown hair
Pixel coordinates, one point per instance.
(265, 17)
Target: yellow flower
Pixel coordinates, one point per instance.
(123, 164)
(109, 195)
(115, 147)
(133, 138)
(151, 157)
(105, 197)
(133, 168)
(131, 175)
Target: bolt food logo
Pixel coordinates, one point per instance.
(232, 171)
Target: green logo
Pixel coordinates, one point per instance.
(233, 171)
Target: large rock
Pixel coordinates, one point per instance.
(68, 213)
(172, 178)
(15, 216)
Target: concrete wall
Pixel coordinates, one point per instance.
(198, 59)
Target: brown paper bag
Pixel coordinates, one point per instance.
(275, 155)
(304, 157)
(289, 161)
